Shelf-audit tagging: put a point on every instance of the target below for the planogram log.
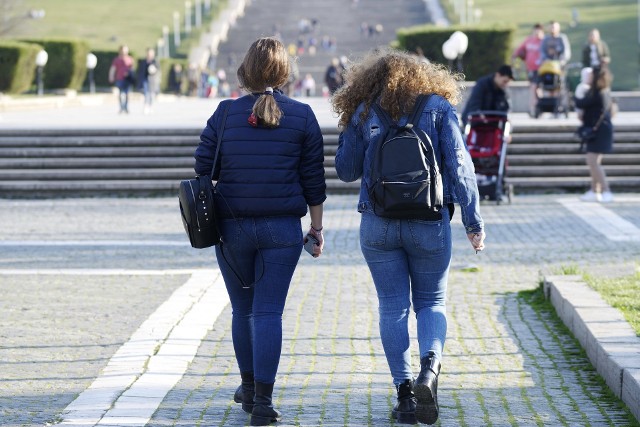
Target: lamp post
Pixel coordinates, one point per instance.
(41, 61)
(92, 61)
(176, 29)
(187, 17)
(460, 43)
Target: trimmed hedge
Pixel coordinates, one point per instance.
(488, 47)
(67, 64)
(17, 66)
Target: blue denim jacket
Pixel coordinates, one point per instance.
(356, 150)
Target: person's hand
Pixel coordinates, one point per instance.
(477, 240)
(317, 249)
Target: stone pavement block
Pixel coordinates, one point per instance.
(631, 390)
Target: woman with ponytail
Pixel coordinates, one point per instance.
(269, 172)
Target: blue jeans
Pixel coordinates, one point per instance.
(265, 250)
(123, 95)
(409, 262)
(148, 93)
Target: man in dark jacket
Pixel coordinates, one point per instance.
(489, 93)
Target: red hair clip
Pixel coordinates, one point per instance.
(253, 120)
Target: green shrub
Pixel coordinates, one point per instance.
(17, 66)
(488, 47)
(67, 64)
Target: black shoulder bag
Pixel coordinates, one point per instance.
(197, 206)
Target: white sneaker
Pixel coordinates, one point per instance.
(590, 196)
(607, 197)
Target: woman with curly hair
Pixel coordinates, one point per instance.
(408, 258)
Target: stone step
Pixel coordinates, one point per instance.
(567, 171)
(566, 148)
(43, 188)
(101, 141)
(560, 137)
(97, 162)
(97, 174)
(97, 152)
(560, 183)
(570, 159)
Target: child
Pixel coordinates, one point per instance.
(586, 78)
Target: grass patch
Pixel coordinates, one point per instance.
(622, 293)
(617, 22)
(579, 360)
(105, 25)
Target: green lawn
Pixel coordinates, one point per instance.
(617, 21)
(622, 293)
(105, 24)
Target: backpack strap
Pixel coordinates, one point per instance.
(384, 117)
(414, 118)
(421, 102)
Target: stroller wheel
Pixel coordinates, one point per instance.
(509, 192)
(536, 113)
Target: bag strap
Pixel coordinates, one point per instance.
(384, 117)
(601, 118)
(220, 134)
(414, 117)
(421, 102)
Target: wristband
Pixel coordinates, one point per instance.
(317, 230)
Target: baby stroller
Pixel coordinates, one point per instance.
(552, 90)
(487, 133)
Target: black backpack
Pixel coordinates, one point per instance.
(405, 180)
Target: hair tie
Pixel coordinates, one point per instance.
(268, 90)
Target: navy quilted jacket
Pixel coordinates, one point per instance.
(264, 171)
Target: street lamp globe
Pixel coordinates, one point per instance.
(460, 41)
(92, 61)
(41, 58)
(449, 50)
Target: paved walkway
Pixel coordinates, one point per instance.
(98, 291)
(100, 111)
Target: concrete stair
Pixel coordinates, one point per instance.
(152, 162)
(340, 19)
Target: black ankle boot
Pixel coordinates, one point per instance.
(426, 390)
(404, 412)
(245, 391)
(263, 413)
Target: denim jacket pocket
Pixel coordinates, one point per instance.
(428, 235)
(284, 231)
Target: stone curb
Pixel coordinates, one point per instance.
(609, 341)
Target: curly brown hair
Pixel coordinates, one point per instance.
(397, 78)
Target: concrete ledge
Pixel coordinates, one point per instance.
(609, 341)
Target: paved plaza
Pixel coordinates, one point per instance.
(110, 318)
(95, 293)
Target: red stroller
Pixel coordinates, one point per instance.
(487, 134)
